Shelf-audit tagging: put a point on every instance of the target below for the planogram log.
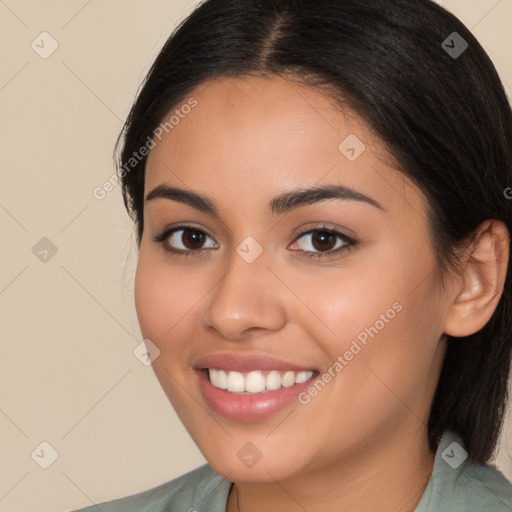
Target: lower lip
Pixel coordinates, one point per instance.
(249, 408)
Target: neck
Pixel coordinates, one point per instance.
(388, 475)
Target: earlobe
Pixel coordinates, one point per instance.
(481, 282)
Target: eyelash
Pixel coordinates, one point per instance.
(350, 243)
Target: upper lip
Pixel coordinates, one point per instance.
(247, 363)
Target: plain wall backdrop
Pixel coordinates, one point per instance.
(68, 324)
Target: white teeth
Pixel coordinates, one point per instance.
(255, 381)
(288, 379)
(302, 377)
(273, 380)
(220, 378)
(236, 382)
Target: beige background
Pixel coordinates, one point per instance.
(68, 373)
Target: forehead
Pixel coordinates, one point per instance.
(258, 118)
(256, 135)
(257, 93)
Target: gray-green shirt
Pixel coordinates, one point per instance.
(455, 485)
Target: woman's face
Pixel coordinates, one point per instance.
(269, 296)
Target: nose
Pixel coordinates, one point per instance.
(248, 297)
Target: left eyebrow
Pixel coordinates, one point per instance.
(280, 204)
(297, 198)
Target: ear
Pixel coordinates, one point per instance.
(480, 286)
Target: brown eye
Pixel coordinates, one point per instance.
(192, 239)
(323, 241)
(185, 239)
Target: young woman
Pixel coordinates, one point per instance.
(321, 192)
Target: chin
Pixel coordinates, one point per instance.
(237, 466)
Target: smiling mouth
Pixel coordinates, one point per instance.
(256, 381)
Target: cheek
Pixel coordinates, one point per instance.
(396, 371)
(164, 296)
(151, 296)
(338, 305)
(384, 320)
(164, 301)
